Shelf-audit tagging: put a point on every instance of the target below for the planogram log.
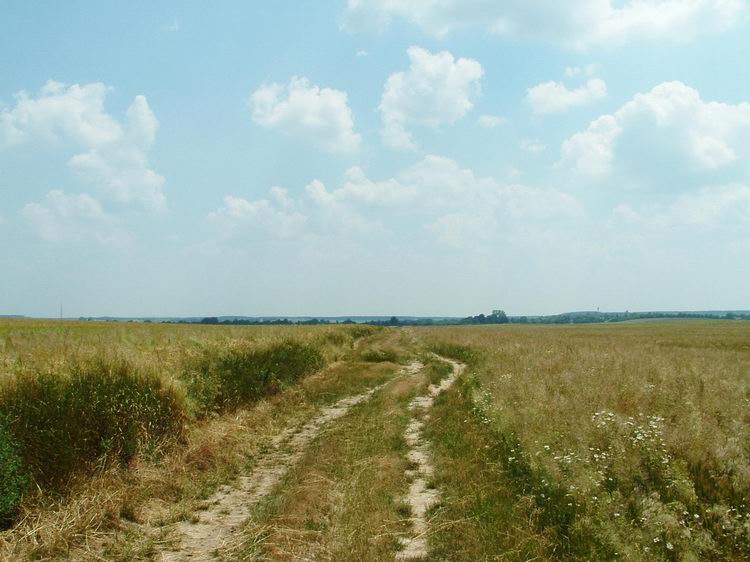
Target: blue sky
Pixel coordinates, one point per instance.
(430, 157)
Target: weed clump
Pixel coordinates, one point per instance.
(455, 351)
(99, 411)
(225, 378)
(13, 478)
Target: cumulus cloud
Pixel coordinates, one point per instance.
(706, 208)
(278, 214)
(358, 188)
(443, 184)
(461, 208)
(669, 129)
(60, 114)
(115, 157)
(64, 217)
(578, 24)
(449, 203)
(320, 116)
(556, 97)
(437, 89)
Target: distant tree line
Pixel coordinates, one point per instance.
(495, 317)
(602, 317)
(212, 320)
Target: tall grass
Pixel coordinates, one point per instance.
(76, 397)
(65, 423)
(13, 478)
(225, 378)
(631, 441)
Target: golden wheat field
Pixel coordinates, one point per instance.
(602, 442)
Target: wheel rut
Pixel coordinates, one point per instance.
(231, 505)
(421, 497)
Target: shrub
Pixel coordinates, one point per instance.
(13, 478)
(100, 410)
(226, 378)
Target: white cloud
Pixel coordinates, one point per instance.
(436, 195)
(321, 116)
(491, 121)
(443, 185)
(358, 188)
(707, 208)
(64, 217)
(123, 173)
(276, 214)
(335, 213)
(713, 207)
(437, 89)
(462, 209)
(668, 128)
(115, 155)
(532, 146)
(142, 123)
(59, 114)
(578, 23)
(555, 97)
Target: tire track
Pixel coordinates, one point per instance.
(421, 498)
(231, 506)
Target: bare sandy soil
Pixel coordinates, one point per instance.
(422, 496)
(208, 531)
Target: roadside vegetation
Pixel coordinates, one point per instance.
(79, 399)
(622, 442)
(598, 442)
(344, 500)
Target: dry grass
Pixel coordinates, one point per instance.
(108, 503)
(481, 517)
(630, 441)
(627, 441)
(344, 501)
(119, 514)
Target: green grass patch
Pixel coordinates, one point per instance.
(482, 516)
(436, 370)
(225, 378)
(13, 478)
(102, 409)
(459, 352)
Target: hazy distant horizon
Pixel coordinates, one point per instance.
(361, 317)
(361, 156)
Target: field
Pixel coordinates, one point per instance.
(624, 441)
(601, 442)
